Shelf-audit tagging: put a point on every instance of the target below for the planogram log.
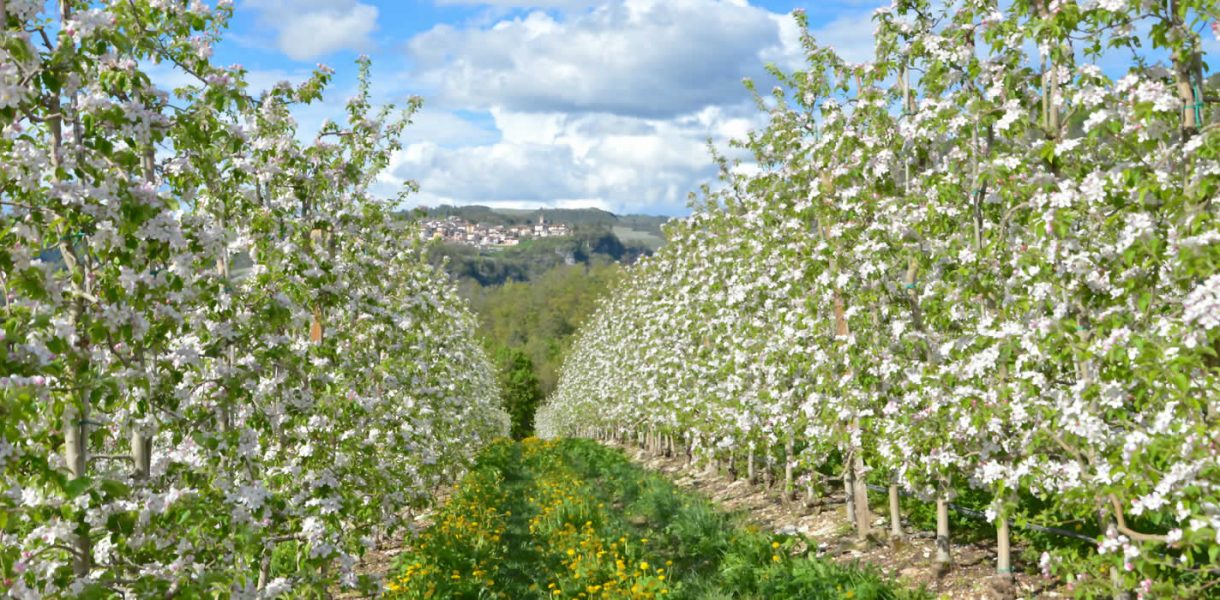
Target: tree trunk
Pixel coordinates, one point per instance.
(849, 491)
(863, 514)
(141, 454)
(751, 472)
(1003, 562)
(76, 455)
(315, 325)
(789, 486)
(1116, 580)
(944, 559)
(811, 492)
(895, 513)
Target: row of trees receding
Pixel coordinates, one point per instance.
(225, 368)
(985, 262)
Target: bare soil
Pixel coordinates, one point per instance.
(910, 560)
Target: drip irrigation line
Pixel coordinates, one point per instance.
(970, 512)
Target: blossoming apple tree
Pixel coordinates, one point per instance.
(225, 366)
(980, 261)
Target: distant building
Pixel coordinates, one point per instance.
(456, 230)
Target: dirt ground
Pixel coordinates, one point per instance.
(910, 560)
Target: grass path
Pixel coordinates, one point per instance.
(573, 519)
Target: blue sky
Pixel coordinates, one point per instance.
(559, 103)
(546, 102)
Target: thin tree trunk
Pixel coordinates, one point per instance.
(141, 443)
(895, 513)
(1116, 580)
(76, 455)
(944, 559)
(264, 569)
(1003, 562)
(751, 472)
(141, 454)
(864, 516)
(811, 493)
(316, 326)
(849, 491)
(789, 485)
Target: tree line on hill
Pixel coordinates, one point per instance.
(531, 298)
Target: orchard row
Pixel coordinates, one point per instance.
(225, 367)
(958, 267)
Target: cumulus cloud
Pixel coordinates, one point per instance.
(307, 29)
(561, 4)
(646, 58)
(607, 104)
(617, 163)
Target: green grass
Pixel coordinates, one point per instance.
(573, 519)
(639, 237)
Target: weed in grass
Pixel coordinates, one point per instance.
(572, 519)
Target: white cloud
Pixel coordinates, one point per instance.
(308, 29)
(560, 4)
(617, 163)
(647, 58)
(607, 104)
(447, 129)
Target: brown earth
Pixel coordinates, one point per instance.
(909, 560)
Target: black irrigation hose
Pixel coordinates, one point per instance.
(970, 512)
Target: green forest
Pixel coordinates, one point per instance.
(531, 298)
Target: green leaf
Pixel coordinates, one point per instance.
(115, 488)
(77, 486)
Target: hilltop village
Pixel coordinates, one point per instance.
(481, 235)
